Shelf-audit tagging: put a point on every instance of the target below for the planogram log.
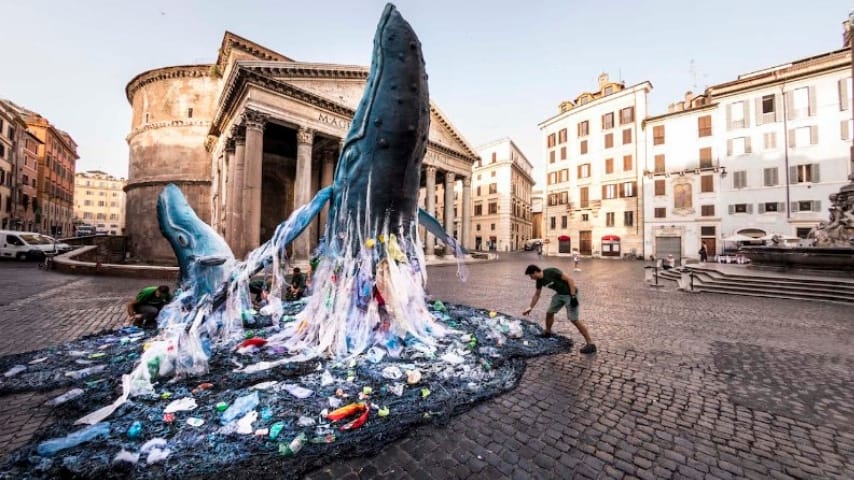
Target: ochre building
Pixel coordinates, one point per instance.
(252, 137)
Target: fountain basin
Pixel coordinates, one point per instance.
(837, 261)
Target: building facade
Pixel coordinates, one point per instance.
(592, 151)
(537, 203)
(100, 201)
(10, 130)
(48, 158)
(503, 185)
(251, 138)
(753, 157)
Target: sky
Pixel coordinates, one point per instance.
(497, 68)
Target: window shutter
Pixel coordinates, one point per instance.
(794, 206)
(635, 189)
(757, 106)
(749, 208)
(579, 171)
(792, 138)
(729, 147)
(816, 205)
(816, 178)
(790, 106)
(761, 208)
(843, 94)
(813, 134)
(793, 175)
(747, 148)
(778, 108)
(731, 209)
(811, 92)
(781, 206)
(843, 129)
(746, 106)
(767, 176)
(729, 117)
(775, 176)
(603, 192)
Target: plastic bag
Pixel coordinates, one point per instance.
(54, 445)
(240, 407)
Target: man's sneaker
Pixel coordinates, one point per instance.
(589, 348)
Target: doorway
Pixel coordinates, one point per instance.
(585, 242)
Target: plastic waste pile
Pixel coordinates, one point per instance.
(293, 418)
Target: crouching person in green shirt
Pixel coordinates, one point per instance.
(566, 295)
(143, 310)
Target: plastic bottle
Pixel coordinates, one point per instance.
(134, 430)
(293, 448)
(240, 407)
(276, 429)
(54, 445)
(78, 374)
(69, 395)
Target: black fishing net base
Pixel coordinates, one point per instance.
(487, 359)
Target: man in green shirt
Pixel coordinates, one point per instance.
(566, 295)
(149, 301)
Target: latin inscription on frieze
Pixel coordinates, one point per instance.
(333, 121)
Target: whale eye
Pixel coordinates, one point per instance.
(182, 240)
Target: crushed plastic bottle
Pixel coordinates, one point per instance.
(276, 429)
(78, 374)
(135, 430)
(328, 438)
(293, 448)
(15, 370)
(375, 354)
(54, 445)
(180, 405)
(69, 395)
(240, 407)
(266, 414)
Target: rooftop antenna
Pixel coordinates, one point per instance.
(695, 75)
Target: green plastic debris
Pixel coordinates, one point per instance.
(293, 448)
(439, 306)
(425, 392)
(221, 406)
(276, 429)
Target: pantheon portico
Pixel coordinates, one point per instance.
(272, 131)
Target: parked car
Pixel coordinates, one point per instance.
(27, 245)
(533, 243)
(60, 247)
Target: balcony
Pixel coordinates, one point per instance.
(691, 168)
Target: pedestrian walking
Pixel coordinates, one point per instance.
(566, 295)
(575, 259)
(704, 253)
(540, 250)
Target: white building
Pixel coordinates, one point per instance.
(593, 147)
(756, 156)
(502, 185)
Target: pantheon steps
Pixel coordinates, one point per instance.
(757, 283)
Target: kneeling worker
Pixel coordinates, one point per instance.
(149, 301)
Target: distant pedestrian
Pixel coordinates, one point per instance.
(704, 253)
(575, 259)
(540, 250)
(566, 295)
(143, 310)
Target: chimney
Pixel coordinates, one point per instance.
(603, 80)
(847, 33)
(671, 108)
(688, 97)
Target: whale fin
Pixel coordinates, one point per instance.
(212, 260)
(433, 226)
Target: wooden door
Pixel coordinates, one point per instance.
(585, 242)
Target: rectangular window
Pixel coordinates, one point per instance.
(563, 153)
(707, 210)
(584, 195)
(628, 219)
(584, 170)
(627, 136)
(739, 208)
(706, 157)
(628, 189)
(704, 126)
(553, 222)
(552, 156)
(563, 175)
(659, 188)
(627, 163)
(609, 219)
(801, 98)
(478, 209)
(609, 166)
(739, 179)
(770, 140)
(190, 113)
(563, 221)
(551, 141)
(769, 207)
(708, 231)
(738, 146)
(660, 212)
(767, 104)
(803, 136)
(493, 188)
(771, 178)
(561, 136)
(627, 115)
(494, 157)
(492, 208)
(658, 135)
(583, 147)
(583, 128)
(707, 183)
(477, 190)
(608, 121)
(659, 163)
(737, 115)
(807, 173)
(609, 191)
(609, 140)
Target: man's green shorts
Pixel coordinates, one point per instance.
(560, 301)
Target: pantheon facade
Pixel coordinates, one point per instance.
(254, 136)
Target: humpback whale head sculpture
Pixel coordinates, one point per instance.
(203, 256)
(379, 172)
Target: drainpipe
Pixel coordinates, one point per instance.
(786, 152)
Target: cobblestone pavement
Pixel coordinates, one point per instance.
(684, 386)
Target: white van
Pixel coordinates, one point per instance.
(26, 245)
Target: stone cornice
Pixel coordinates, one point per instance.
(309, 70)
(242, 77)
(450, 151)
(155, 182)
(472, 156)
(170, 123)
(231, 41)
(165, 73)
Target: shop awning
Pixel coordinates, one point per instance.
(610, 238)
(563, 238)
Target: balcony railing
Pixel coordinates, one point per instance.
(693, 168)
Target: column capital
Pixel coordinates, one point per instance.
(466, 182)
(450, 177)
(238, 134)
(254, 119)
(430, 169)
(305, 135)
